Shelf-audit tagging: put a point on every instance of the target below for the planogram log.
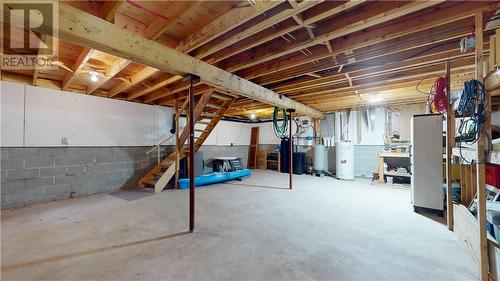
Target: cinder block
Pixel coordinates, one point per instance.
(37, 182)
(114, 166)
(54, 151)
(129, 165)
(58, 189)
(63, 180)
(96, 168)
(55, 171)
(90, 187)
(103, 150)
(88, 159)
(123, 157)
(4, 153)
(23, 174)
(12, 186)
(68, 161)
(76, 170)
(80, 151)
(24, 152)
(26, 196)
(118, 181)
(106, 174)
(84, 178)
(104, 158)
(45, 162)
(3, 176)
(11, 164)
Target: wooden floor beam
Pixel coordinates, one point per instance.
(107, 37)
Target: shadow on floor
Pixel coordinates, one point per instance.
(133, 194)
(434, 217)
(256, 185)
(89, 252)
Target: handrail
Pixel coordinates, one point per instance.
(157, 146)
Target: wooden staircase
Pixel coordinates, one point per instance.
(208, 112)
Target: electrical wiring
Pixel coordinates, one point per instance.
(471, 107)
(440, 100)
(430, 96)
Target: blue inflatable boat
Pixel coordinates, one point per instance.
(215, 177)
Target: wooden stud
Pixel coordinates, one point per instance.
(480, 165)
(450, 137)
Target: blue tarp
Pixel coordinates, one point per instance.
(215, 177)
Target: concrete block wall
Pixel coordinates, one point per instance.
(40, 174)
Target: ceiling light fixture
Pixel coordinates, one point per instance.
(253, 116)
(93, 76)
(375, 98)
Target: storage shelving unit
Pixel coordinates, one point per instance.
(381, 173)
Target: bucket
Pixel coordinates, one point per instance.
(389, 180)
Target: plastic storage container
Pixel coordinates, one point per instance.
(493, 175)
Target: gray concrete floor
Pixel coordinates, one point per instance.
(323, 229)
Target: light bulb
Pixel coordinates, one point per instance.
(93, 77)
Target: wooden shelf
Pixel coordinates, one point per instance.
(394, 154)
(397, 175)
(470, 154)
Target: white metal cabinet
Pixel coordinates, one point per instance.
(427, 161)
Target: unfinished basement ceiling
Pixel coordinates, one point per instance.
(330, 55)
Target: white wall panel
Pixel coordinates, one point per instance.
(12, 113)
(266, 133)
(52, 115)
(162, 123)
(233, 133)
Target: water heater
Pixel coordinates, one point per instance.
(344, 160)
(319, 158)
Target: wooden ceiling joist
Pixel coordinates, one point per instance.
(368, 21)
(106, 37)
(221, 25)
(84, 56)
(135, 79)
(156, 86)
(161, 24)
(283, 29)
(251, 30)
(110, 73)
(325, 55)
(441, 16)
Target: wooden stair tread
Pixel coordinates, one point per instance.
(159, 176)
(149, 182)
(157, 173)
